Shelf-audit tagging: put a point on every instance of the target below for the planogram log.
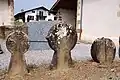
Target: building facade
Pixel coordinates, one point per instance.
(6, 12)
(36, 14)
(65, 11)
(98, 18)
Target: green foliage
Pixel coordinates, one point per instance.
(18, 22)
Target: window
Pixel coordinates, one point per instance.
(30, 18)
(49, 14)
(41, 13)
(33, 11)
(38, 17)
(49, 19)
(55, 18)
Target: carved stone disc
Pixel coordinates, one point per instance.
(17, 41)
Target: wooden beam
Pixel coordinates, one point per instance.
(79, 18)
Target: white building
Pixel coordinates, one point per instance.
(36, 14)
(100, 18)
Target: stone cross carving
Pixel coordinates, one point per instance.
(17, 40)
(17, 44)
(62, 38)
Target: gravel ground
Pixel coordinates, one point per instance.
(5, 57)
(80, 52)
(37, 57)
(81, 70)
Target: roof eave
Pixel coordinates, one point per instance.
(53, 7)
(42, 7)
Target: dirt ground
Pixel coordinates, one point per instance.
(81, 70)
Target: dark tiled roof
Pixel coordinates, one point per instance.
(32, 9)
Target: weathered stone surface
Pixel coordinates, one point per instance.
(17, 44)
(119, 46)
(62, 38)
(1, 51)
(103, 50)
(2, 32)
(19, 40)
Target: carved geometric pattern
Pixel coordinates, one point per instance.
(17, 42)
